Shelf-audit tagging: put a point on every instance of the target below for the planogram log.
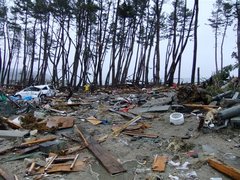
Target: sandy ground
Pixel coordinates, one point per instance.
(137, 154)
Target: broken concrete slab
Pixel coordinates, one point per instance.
(13, 133)
(140, 110)
(158, 102)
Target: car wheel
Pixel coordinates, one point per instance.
(43, 96)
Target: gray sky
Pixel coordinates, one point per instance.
(206, 44)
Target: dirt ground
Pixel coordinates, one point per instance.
(137, 153)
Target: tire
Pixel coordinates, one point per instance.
(43, 96)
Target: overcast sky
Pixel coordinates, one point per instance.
(205, 55)
(206, 44)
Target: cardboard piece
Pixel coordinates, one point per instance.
(159, 163)
(93, 120)
(60, 122)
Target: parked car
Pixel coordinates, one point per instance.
(32, 91)
(40, 91)
(47, 90)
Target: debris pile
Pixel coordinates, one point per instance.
(151, 133)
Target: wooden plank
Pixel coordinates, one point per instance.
(201, 106)
(10, 123)
(119, 130)
(225, 169)
(105, 157)
(140, 134)
(63, 167)
(31, 142)
(108, 161)
(28, 150)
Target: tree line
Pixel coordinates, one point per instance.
(102, 42)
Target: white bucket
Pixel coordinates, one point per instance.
(176, 118)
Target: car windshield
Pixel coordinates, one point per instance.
(51, 87)
(32, 89)
(45, 88)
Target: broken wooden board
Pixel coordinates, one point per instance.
(136, 127)
(201, 106)
(10, 123)
(60, 122)
(93, 120)
(28, 150)
(31, 142)
(124, 114)
(159, 163)
(105, 157)
(13, 133)
(63, 167)
(130, 114)
(136, 134)
(109, 162)
(224, 168)
(119, 130)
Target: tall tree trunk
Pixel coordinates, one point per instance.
(238, 36)
(30, 80)
(45, 53)
(222, 43)
(24, 69)
(196, 9)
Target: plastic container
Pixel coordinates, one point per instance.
(176, 118)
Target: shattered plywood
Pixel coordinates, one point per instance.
(63, 167)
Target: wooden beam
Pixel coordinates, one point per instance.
(201, 106)
(31, 142)
(138, 134)
(108, 161)
(224, 168)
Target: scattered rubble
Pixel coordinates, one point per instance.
(128, 133)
